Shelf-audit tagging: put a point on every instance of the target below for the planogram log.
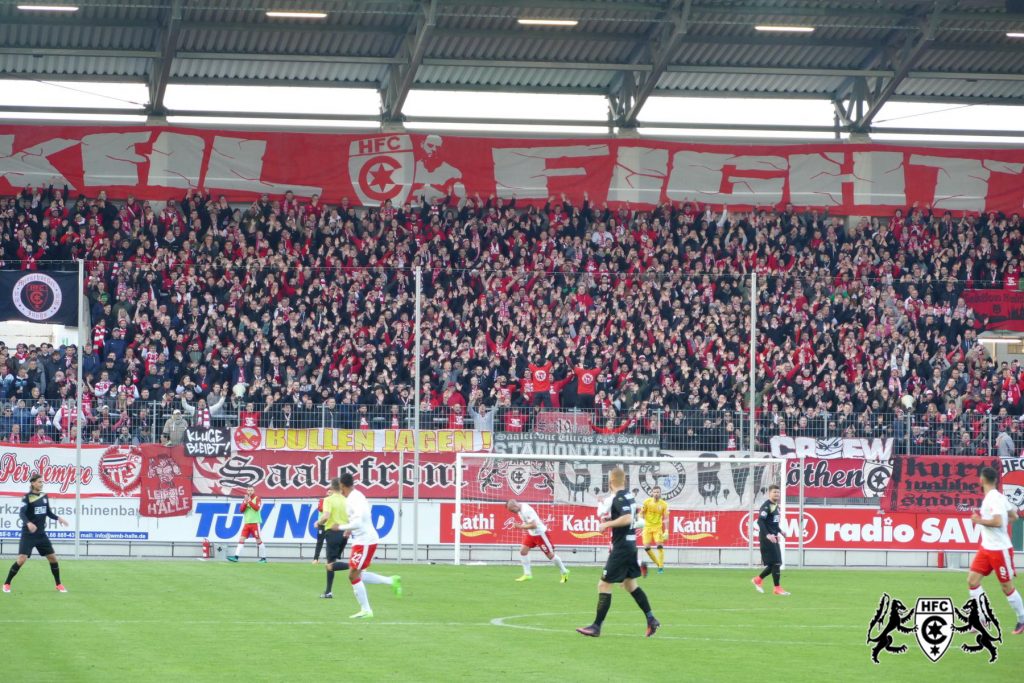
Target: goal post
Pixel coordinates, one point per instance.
(712, 499)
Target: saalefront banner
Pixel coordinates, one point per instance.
(158, 162)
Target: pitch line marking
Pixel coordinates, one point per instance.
(502, 622)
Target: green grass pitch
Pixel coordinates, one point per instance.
(213, 621)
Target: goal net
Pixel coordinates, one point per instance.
(713, 503)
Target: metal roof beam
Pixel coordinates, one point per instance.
(777, 71)
(659, 42)
(902, 63)
(530, 64)
(78, 52)
(663, 49)
(401, 76)
(312, 59)
(161, 70)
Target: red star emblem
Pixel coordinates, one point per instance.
(380, 176)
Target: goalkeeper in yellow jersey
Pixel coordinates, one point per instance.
(654, 512)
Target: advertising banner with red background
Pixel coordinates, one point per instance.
(823, 528)
(159, 162)
(936, 483)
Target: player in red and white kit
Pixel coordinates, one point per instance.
(364, 539)
(996, 552)
(536, 537)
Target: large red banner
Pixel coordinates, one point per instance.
(307, 474)
(836, 478)
(822, 528)
(1001, 309)
(157, 162)
(936, 483)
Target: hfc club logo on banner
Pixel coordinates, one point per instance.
(382, 168)
(933, 621)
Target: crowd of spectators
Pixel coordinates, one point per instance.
(288, 312)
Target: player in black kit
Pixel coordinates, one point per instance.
(770, 537)
(622, 566)
(35, 510)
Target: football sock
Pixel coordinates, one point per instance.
(642, 602)
(661, 556)
(11, 574)
(55, 570)
(330, 580)
(976, 593)
(238, 550)
(525, 559)
(262, 550)
(650, 554)
(1017, 604)
(604, 603)
(370, 577)
(558, 563)
(360, 590)
(765, 572)
(776, 574)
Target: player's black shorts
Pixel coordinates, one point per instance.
(621, 565)
(335, 542)
(771, 553)
(40, 542)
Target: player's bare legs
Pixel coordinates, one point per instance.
(524, 559)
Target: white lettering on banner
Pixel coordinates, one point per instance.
(817, 179)
(237, 164)
(697, 525)
(581, 524)
(638, 175)
(698, 176)
(32, 166)
(879, 530)
(963, 183)
(477, 522)
(176, 160)
(879, 179)
(874, 450)
(111, 159)
(953, 530)
(523, 171)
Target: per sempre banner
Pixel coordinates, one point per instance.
(368, 169)
(39, 297)
(936, 483)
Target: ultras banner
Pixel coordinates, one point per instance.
(158, 162)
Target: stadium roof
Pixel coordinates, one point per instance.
(860, 55)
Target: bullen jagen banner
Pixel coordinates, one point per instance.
(39, 297)
(370, 168)
(166, 489)
(837, 477)
(936, 483)
(361, 440)
(208, 442)
(878, 450)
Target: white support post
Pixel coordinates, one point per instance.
(401, 491)
(80, 417)
(456, 521)
(800, 519)
(416, 424)
(753, 363)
